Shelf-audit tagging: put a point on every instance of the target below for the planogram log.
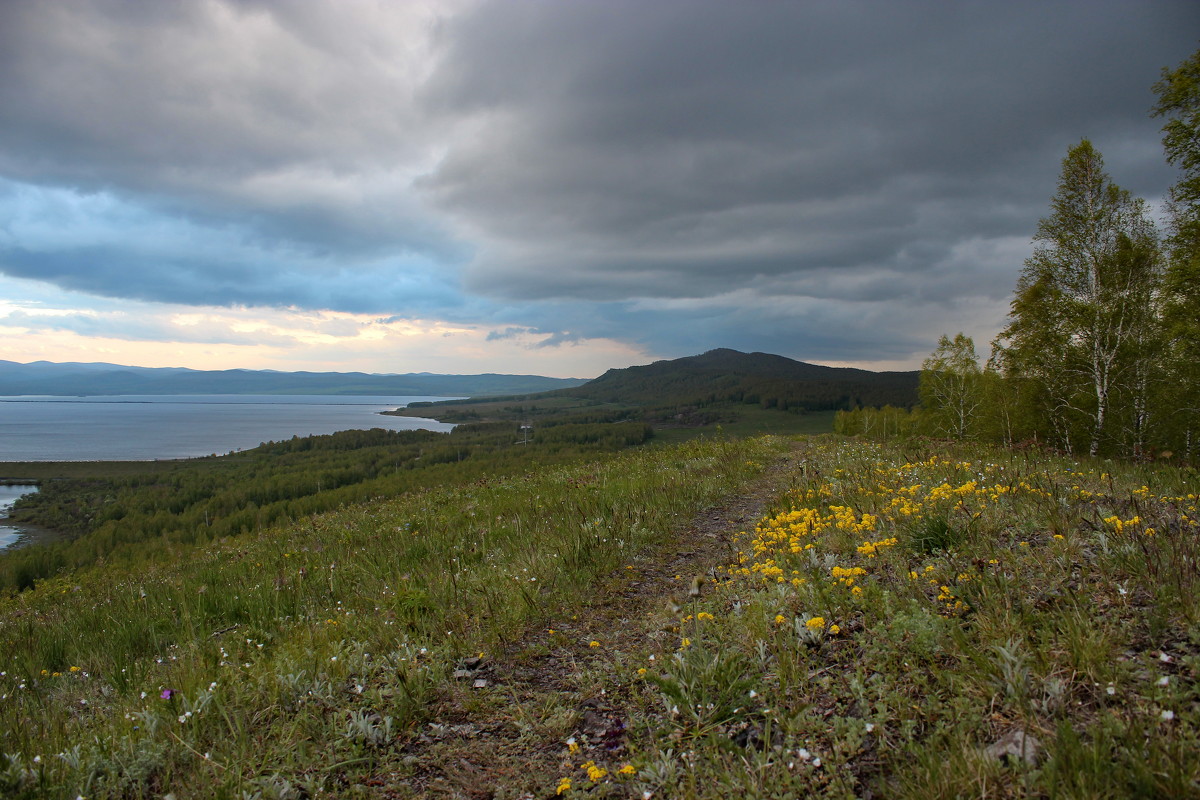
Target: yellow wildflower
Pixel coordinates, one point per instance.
(595, 773)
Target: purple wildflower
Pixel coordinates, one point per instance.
(167, 694)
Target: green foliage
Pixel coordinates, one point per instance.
(1082, 318)
(878, 423)
(133, 517)
(703, 689)
(1101, 349)
(932, 534)
(1179, 102)
(949, 387)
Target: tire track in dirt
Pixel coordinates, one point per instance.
(509, 738)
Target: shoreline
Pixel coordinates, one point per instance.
(26, 535)
(16, 533)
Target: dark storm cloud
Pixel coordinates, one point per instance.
(831, 181)
(675, 149)
(296, 118)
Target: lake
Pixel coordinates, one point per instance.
(149, 427)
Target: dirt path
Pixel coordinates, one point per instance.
(509, 736)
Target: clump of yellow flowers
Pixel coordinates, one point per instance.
(873, 516)
(871, 549)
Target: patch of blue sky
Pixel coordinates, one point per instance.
(101, 244)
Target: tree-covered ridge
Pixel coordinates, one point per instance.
(717, 377)
(773, 381)
(744, 393)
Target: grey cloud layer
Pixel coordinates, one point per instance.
(295, 117)
(716, 144)
(821, 180)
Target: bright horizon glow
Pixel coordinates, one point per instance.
(315, 341)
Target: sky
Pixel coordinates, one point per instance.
(553, 188)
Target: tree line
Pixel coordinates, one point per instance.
(1101, 351)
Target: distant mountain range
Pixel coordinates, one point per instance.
(731, 376)
(718, 376)
(73, 379)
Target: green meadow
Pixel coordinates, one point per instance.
(767, 617)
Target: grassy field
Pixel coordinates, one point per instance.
(240, 666)
(920, 621)
(130, 511)
(753, 421)
(908, 620)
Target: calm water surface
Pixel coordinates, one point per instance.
(148, 427)
(8, 495)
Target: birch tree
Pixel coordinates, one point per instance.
(1083, 300)
(949, 386)
(1179, 104)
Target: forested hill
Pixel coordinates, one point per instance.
(731, 376)
(46, 378)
